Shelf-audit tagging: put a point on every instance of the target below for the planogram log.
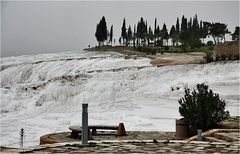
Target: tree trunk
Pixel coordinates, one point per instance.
(214, 38)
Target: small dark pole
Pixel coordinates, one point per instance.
(84, 124)
(199, 133)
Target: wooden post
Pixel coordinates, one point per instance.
(94, 132)
(121, 130)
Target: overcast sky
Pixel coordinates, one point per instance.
(33, 27)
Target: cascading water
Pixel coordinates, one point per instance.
(44, 93)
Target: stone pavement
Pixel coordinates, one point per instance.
(219, 135)
(135, 146)
(223, 140)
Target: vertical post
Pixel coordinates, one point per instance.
(84, 124)
(199, 134)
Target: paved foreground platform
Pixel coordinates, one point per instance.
(133, 146)
(225, 139)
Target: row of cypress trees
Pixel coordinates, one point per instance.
(188, 33)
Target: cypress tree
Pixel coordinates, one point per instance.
(134, 35)
(201, 30)
(104, 29)
(177, 26)
(155, 30)
(172, 34)
(146, 28)
(141, 30)
(195, 33)
(138, 34)
(155, 26)
(195, 24)
(190, 25)
(129, 35)
(184, 24)
(172, 31)
(101, 31)
(150, 35)
(165, 33)
(158, 34)
(111, 34)
(98, 34)
(146, 33)
(184, 33)
(124, 31)
(177, 31)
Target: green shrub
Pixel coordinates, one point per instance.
(236, 57)
(166, 48)
(162, 52)
(210, 47)
(230, 57)
(209, 57)
(223, 57)
(202, 109)
(210, 43)
(148, 52)
(154, 51)
(134, 48)
(140, 49)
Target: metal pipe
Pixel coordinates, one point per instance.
(199, 134)
(84, 124)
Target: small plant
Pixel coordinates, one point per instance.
(209, 57)
(201, 108)
(22, 136)
(210, 43)
(166, 48)
(230, 56)
(236, 56)
(223, 57)
(154, 51)
(217, 58)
